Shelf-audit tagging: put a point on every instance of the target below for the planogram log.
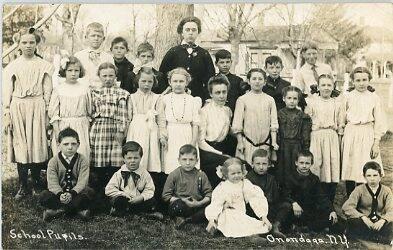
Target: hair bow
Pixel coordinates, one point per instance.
(63, 62)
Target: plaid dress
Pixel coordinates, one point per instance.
(110, 117)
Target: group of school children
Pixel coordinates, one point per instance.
(258, 157)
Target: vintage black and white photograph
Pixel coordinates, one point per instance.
(196, 125)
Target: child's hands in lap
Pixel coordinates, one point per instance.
(378, 225)
(65, 198)
(191, 202)
(297, 209)
(275, 146)
(136, 200)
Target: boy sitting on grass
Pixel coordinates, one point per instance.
(67, 175)
(260, 177)
(187, 190)
(311, 207)
(131, 188)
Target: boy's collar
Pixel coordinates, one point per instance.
(68, 158)
(183, 42)
(301, 174)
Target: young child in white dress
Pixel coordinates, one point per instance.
(70, 105)
(255, 120)
(227, 210)
(178, 118)
(365, 125)
(327, 130)
(143, 127)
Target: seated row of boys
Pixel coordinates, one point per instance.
(188, 193)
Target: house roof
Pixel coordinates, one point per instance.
(270, 36)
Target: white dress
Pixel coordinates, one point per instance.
(70, 106)
(327, 117)
(144, 130)
(255, 116)
(365, 122)
(177, 114)
(228, 207)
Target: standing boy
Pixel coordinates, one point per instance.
(187, 190)
(93, 55)
(119, 48)
(237, 85)
(274, 83)
(67, 175)
(131, 188)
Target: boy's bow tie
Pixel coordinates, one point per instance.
(189, 45)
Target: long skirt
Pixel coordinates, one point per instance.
(28, 119)
(325, 148)
(81, 126)
(146, 134)
(105, 149)
(179, 134)
(356, 148)
(286, 159)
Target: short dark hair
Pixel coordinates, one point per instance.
(273, 60)
(147, 71)
(291, 88)
(119, 39)
(256, 70)
(188, 149)
(372, 165)
(71, 61)
(217, 80)
(145, 47)
(106, 65)
(360, 70)
(188, 20)
(260, 152)
(305, 153)
(223, 54)
(131, 146)
(67, 132)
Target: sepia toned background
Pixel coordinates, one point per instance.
(347, 35)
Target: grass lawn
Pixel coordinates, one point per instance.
(104, 231)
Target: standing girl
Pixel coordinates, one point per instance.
(143, 127)
(294, 132)
(364, 128)
(325, 113)
(178, 118)
(227, 210)
(255, 121)
(110, 121)
(70, 105)
(27, 87)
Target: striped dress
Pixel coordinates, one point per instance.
(110, 116)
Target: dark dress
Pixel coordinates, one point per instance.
(199, 64)
(124, 74)
(294, 135)
(274, 88)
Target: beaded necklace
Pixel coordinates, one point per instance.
(184, 109)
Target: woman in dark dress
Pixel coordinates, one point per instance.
(196, 60)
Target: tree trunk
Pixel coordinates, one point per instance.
(168, 17)
(235, 43)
